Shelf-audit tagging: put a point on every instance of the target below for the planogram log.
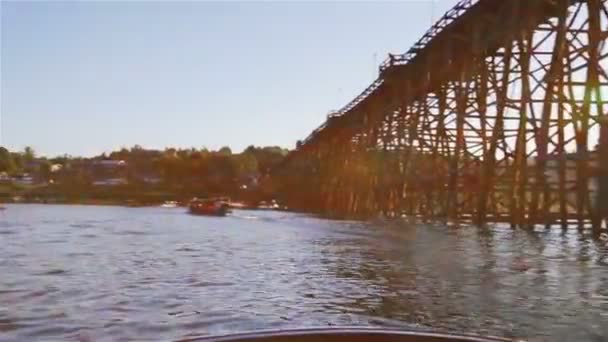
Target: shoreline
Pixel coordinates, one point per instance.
(123, 203)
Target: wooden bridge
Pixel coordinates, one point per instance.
(495, 115)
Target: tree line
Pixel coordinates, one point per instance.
(16, 162)
(174, 172)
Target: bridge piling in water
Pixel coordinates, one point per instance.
(491, 117)
(602, 205)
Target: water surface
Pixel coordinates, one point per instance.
(113, 273)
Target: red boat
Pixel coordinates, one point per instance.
(209, 207)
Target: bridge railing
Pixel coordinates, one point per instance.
(448, 18)
(400, 59)
(375, 85)
(352, 104)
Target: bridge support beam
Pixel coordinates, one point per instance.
(491, 118)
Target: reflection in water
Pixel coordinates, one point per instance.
(72, 272)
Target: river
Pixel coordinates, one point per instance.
(94, 273)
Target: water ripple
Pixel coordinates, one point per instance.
(56, 271)
(108, 273)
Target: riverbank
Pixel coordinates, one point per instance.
(129, 203)
(91, 202)
(81, 201)
(124, 195)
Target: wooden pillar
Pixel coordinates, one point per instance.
(462, 89)
(602, 200)
(592, 94)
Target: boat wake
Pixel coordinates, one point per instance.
(244, 216)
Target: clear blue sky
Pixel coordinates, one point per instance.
(87, 77)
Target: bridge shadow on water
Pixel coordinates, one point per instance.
(493, 280)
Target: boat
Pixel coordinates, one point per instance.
(345, 335)
(209, 207)
(169, 204)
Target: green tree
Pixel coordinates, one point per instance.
(19, 161)
(250, 149)
(29, 154)
(7, 164)
(136, 148)
(221, 170)
(44, 170)
(269, 157)
(246, 163)
(123, 154)
(226, 151)
(170, 164)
